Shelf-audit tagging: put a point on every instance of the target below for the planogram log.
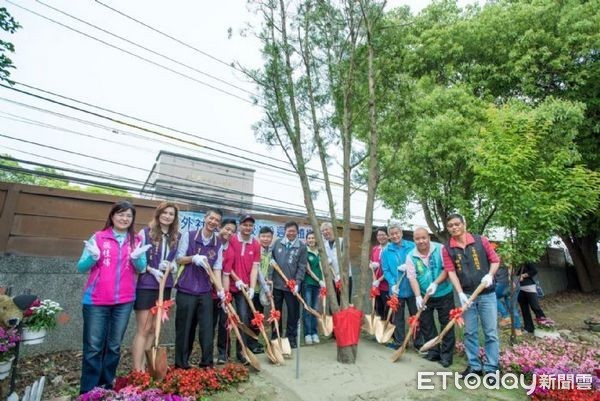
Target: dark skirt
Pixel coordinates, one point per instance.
(146, 299)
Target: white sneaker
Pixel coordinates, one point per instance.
(315, 339)
(308, 340)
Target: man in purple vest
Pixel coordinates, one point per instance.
(470, 260)
(193, 299)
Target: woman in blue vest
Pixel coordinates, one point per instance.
(425, 270)
(162, 234)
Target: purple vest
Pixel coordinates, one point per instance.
(194, 280)
(147, 281)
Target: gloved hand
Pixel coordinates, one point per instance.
(395, 289)
(322, 284)
(221, 294)
(419, 300)
(488, 280)
(199, 260)
(137, 252)
(250, 293)
(374, 265)
(376, 283)
(431, 289)
(163, 265)
(402, 268)
(93, 249)
(330, 261)
(296, 289)
(174, 268)
(464, 300)
(158, 275)
(239, 284)
(337, 278)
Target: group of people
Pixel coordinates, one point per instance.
(126, 269)
(423, 275)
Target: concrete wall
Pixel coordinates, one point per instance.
(56, 278)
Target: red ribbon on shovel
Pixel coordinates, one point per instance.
(258, 319)
(275, 316)
(456, 314)
(393, 303)
(374, 292)
(165, 309)
(323, 292)
(291, 284)
(413, 323)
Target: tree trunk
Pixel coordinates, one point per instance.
(584, 251)
(347, 354)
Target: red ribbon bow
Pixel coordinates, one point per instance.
(338, 285)
(291, 284)
(275, 316)
(228, 297)
(456, 314)
(413, 322)
(165, 309)
(374, 292)
(393, 303)
(323, 292)
(258, 319)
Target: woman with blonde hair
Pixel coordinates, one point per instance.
(163, 235)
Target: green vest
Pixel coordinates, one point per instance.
(314, 262)
(427, 274)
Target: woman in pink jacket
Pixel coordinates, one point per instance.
(113, 257)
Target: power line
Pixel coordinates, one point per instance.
(131, 53)
(147, 49)
(230, 65)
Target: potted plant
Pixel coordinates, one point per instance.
(8, 340)
(38, 319)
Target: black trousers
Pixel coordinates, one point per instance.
(220, 325)
(192, 311)
(443, 305)
(381, 308)
(527, 301)
(293, 314)
(399, 321)
(243, 310)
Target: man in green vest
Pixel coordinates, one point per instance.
(425, 271)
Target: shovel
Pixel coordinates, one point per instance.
(282, 343)
(398, 353)
(436, 340)
(369, 325)
(275, 357)
(384, 329)
(298, 296)
(157, 356)
(326, 321)
(250, 357)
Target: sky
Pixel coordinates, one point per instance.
(56, 59)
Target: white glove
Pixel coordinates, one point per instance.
(221, 294)
(296, 289)
(163, 265)
(419, 300)
(431, 289)
(158, 275)
(376, 283)
(199, 260)
(395, 289)
(373, 265)
(174, 268)
(239, 284)
(250, 293)
(137, 252)
(488, 280)
(93, 249)
(402, 268)
(322, 284)
(464, 300)
(337, 277)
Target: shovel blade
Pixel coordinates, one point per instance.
(325, 324)
(284, 345)
(430, 344)
(252, 359)
(369, 324)
(157, 362)
(388, 333)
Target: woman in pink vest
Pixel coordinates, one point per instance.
(112, 257)
(162, 234)
(380, 282)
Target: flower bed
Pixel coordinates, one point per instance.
(178, 385)
(554, 357)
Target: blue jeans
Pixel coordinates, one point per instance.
(103, 331)
(504, 306)
(484, 308)
(310, 293)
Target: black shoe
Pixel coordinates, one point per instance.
(468, 371)
(293, 344)
(445, 363)
(432, 358)
(258, 350)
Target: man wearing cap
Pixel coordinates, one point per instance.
(292, 256)
(246, 261)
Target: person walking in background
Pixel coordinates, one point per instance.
(470, 260)
(162, 234)
(380, 282)
(393, 259)
(193, 299)
(313, 282)
(528, 298)
(291, 255)
(506, 303)
(112, 257)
